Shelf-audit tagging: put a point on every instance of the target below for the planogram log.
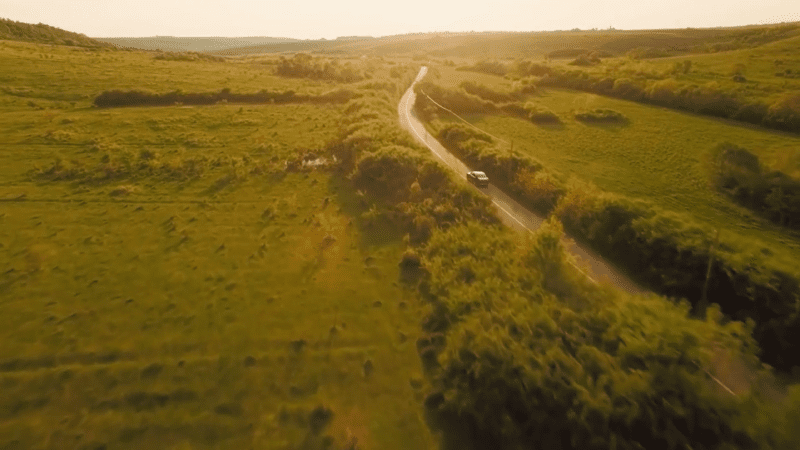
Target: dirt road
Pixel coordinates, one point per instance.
(511, 213)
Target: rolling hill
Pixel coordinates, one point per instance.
(502, 45)
(44, 34)
(194, 44)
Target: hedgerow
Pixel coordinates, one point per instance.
(521, 352)
(119, 98)
(664, 251)
(303, 65)
(738, 173)
(708, 99)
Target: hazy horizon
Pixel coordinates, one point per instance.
(315, 19)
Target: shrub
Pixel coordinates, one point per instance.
(524, 68)
(671, 254)
(540, 187)
(540, 114)
(485, 92)
(738, 173)
(303, 65)
(601, 116)
(118, 98)
(387, 173)
(490, 67)
(664, 92)
(647, 53)
(568, 53)
(457, 101)
(585, 60)
(521, 354)
(785, 113)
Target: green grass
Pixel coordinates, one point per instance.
(759, 66)
(660, 155)
(155, 311)
(58, 76)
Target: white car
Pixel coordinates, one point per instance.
(478, 178)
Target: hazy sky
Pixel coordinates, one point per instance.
(314, 19)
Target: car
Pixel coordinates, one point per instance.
(478, 178)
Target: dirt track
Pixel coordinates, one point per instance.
(512, 213)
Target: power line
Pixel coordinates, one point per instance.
(461, 119)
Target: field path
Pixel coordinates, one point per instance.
(511, 213)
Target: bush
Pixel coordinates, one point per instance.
(303, 65)
(541, 115)
(524, 68)
(784, 114)
(187, 56)
(601, 116)
(490, 67)
(523, 354)
(647, 53)
(459, 102)
(118, 98)
(486, 93)
(738, 173)
(585, 60)
(387, 173)
(541, 188)
(670, 254)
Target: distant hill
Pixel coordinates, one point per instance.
(44, 34)
(351, 38)
(498, 45)
(193, 44)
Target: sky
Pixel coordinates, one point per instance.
(315, 19)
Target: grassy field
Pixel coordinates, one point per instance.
(659, 155)
(56, 76)
(169, 284)
(768, 70)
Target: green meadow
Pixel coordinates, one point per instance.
(659, 155)
(299, 274)
(167, 282)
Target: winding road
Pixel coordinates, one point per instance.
(510, 212)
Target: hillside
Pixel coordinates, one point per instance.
(193, 44)
(44, 34)
(502, 45)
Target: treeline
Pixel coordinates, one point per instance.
(119, 98)
(45, 34)
(477, 98)
(303, 65)
(521, 351)
(708, 99)
(664, 251)
(738, 173)
(187, 56)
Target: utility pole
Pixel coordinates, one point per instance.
(701, 307)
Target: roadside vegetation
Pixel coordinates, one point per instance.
(523, 351)
(640, 223)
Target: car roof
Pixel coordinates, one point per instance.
(475, 172)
